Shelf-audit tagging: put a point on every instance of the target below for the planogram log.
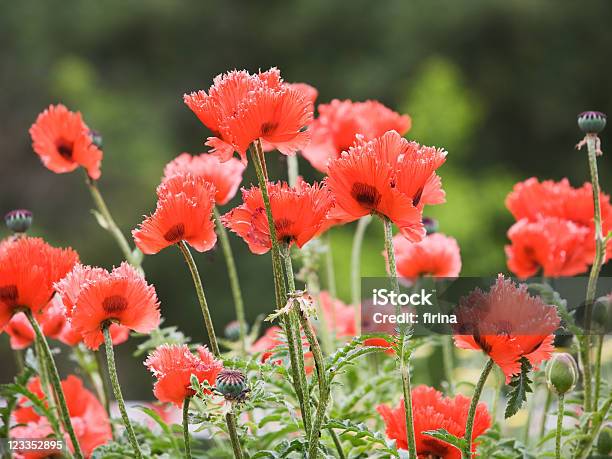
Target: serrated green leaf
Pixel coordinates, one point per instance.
(520, 387)
(447, 437)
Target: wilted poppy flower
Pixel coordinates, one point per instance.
(436, 255)
(340, 121)
(553, 245)
(433, 411)
(241, 108)
(507, 324)
(121, 296)
(298, 214)
(226, 176)
(184, 210)
(87, 415)
(63, 141)
(173, 365)
(339, 317)
(28, 269)
(387, 176)
(532, 200)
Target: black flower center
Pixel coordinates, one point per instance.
(366, 195)
(268, 128)
(9, 294)
(175, 233)
(114, 304)
(65, 148)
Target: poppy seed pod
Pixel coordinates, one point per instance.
(592, 122)
(18, 221)
(561, 373)
(231, 383)
(604, 441)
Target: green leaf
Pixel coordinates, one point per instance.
(520, 387)
(447, 437)
(100, 219)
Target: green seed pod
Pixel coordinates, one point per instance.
(561, 373)
(602, 315)
(18, 221)
(592, 122)
(604, 441)
(231, 383)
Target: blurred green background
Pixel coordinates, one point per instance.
(498, 84)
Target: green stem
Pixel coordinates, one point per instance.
(106, 389)
(547, 404)
(18, 354)
(55, 383)
(469, 427)
(46, 388)
(448, 358)
(292, 169)
(230, 420)
(585, 341)
(356, 266)
(559, 431)
(233, 277)
(294, 317)
(197, 282)
(186, 427)
(404, 360)
(329, 267)
(317, 354)
(337, 444)
(110, 224)
(584, 447)
(112, 371)
(257, 156)
(499, 384)
(312, 283)
(598, 354)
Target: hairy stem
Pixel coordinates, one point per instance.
(585, 341)
(547, 404)
(469, 427)
(230, 420)
(448, 358)
(112, 371)
(47, 389)
(559, 431)
(329, 267)
(49, 363)
(294, 318)
(279, 281)
(598, 354)
(233, 277)
(404, 360)
(584, 447)
(186, 427)
(109, 223)
(356, 266)
(197, 282)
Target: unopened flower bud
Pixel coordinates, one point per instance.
(561, 373)
(96, 138)
(18, 221)
(231, 383)
(232, 330)
(604, 441)
(602, 315)
(592, 122)
(430, 224)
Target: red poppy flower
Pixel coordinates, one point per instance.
(226, 177)
(273, 338)
(532, 199)
(88, 416)
(432, 411)
(387, 176)
(339, 317)
(339, 122)
(173, 366)
(63, 141)
(28, 269)
(184, 210)
(123, 297)
(241, 108)
(554, 245)
(40, 429)
(436, 255)
(507, 324)
(298, 214)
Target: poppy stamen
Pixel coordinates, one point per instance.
(367, 195)
(175, 233)
(114, 304)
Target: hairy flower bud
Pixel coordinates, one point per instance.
(232, 330)
(604, 441)
(18, 221)
(561, 373)
(231, 383)
(592, 122)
